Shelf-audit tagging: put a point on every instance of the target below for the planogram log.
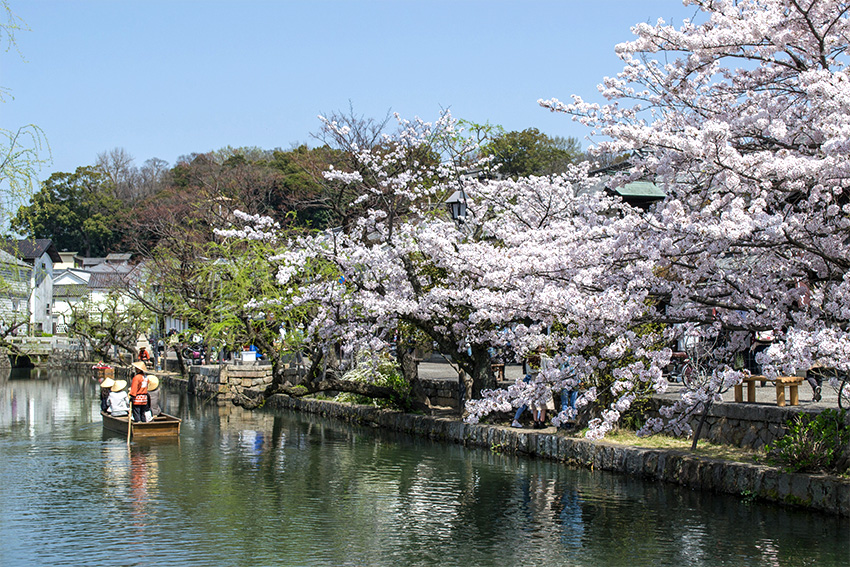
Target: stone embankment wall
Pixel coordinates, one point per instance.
(227, 381)
(5, 363)
(219, 383)
(821, 492)
(444, 393)
(750, 426)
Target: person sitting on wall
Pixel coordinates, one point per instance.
(145, 356)
(253, 348)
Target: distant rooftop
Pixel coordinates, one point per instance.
(107, 280)
(110, 259)
(29, 249)
(645, 189)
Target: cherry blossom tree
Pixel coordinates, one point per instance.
(744, 118)
(532, 254)
(387, 279)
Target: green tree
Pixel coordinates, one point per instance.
(78, 211)
(300, 190)
(530, 152)
(116, 320)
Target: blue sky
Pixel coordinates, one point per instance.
(169, 78)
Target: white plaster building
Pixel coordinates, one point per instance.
(15, 276)
(40, 255)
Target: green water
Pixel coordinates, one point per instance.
(256, 489)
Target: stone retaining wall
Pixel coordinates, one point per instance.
(444, 393)
(820, 492)
(750, 426)
(219, 383)
(223, 382)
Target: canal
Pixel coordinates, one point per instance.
(256, 489)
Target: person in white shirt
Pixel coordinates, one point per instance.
(118, 403)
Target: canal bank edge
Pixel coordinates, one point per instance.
(821, 492)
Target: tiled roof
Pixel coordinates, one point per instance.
(8, 259)
(107, 280)
(30, 249)
(645, 189)
(88, 262)
(110, 268)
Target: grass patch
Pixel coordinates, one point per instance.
(704, 448)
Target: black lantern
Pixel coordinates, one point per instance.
(457, 206)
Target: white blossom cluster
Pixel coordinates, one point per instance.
(255, 227)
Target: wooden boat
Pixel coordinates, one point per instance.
(163, 425)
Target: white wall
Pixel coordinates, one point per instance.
(41, 300)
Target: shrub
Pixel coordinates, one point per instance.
(813, 444)
(381, 370)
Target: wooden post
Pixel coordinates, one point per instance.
(795, 395)
(780, 393)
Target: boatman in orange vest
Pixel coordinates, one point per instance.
(139, 392)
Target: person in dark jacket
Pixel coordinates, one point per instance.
(154, 396)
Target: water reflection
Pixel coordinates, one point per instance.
(257, 488)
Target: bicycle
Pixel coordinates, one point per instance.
(194, 353)
(841, 384)
(686, 370)
(843, 391)
(699, 357)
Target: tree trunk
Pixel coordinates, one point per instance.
(410, 370)
(702, 419)
(482, 372)
(181, 364)
(316, 372)
(477, 374)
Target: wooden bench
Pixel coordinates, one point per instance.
(793, 382)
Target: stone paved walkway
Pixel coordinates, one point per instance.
(434, 370)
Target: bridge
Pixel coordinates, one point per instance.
(36, 351)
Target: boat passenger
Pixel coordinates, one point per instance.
(139, 392)
(118, 404)
(153, 396)
(105, 387)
